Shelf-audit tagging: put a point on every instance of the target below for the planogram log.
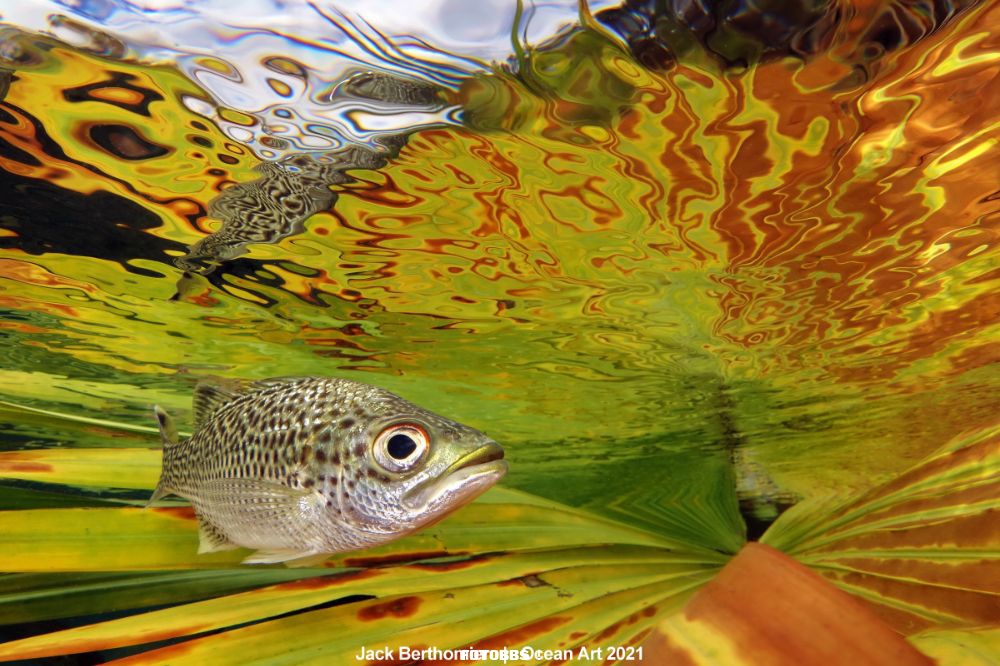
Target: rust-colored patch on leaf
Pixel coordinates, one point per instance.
(399, 558)
(513, 638)
(901, 620)
(609, 631)
(639, 637)
(509, 583)
(659, 649)
(105, 643)
(178, 512)
(982, 575)
(966, 606)
(454, 565)
(321, 582)
(528, 580)
(17, 466)
(401, 607)
(982, 493)
(973, 530)
(776, 611)
(613, 629)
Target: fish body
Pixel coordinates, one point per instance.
(299, 468)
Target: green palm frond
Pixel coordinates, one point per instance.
(922, 548)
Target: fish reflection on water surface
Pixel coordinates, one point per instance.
(289, 191)
(299, 468)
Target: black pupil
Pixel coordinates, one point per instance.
(401, 446)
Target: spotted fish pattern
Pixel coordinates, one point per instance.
(298, 468)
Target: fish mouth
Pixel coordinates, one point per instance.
(464, 480)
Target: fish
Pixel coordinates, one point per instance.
(300, 468)
(290, 191)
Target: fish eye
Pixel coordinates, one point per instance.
(400, 447)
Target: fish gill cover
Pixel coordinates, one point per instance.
(708, 272)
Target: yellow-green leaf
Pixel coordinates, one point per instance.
(523, 569)
(31, 597)
(969, 647)
(103, 468)
(512, 612)
(922, 548)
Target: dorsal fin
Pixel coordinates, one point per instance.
(168, 431)
(272, 381)
(208, 398)
(168, 434)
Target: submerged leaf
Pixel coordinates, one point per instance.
(616, 566)
(492, 567)
(507, 569)
(922, 548)
(512, 612)
(32, 597)
(102, 468)
(971, 647)
(766, 608)
(166, 538)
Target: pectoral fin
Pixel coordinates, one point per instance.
(260, 514)
(253, 495)
(211, 539)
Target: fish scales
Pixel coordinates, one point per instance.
(298, 468)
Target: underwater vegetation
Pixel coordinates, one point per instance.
(721, 278)
(513, 570)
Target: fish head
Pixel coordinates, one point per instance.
(415, 468)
